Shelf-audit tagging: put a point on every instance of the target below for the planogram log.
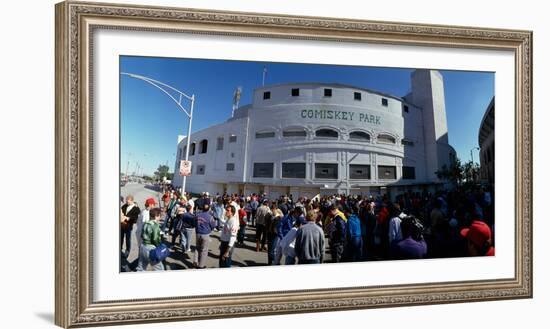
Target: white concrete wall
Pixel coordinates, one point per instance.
(311, 111)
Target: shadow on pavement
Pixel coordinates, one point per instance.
(152, 187)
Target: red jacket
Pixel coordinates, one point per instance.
(242, 216)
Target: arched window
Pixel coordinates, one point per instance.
(326, 133)
(203, 146)
(359, 136)
(192, 149)
(294, 132)
(383, 138)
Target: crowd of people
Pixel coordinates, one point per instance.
(336, 228)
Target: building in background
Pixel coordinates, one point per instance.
(306, 139)
(487, 145)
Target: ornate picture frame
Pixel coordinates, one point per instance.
(76, 22)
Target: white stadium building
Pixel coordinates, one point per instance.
(306, 139)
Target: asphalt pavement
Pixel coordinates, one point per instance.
(243, 255)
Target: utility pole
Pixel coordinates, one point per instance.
(169, 91)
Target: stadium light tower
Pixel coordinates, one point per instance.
(169, 91)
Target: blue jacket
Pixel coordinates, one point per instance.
(285, 225)
(205, 223)
(353, 226)
(338, 233)
(186, 220)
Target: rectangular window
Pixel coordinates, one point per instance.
(357, 96)
(295, 92)
(326, 170)
(328, 92)
(267, 94)
(408, 173)
(200, 170)
(232, 138)
(384, 102)
(406, 108)
(294, 133)
(263, 170)
(294, 170)
(386, 172)
(357, 171)
(268, 134)
(407, 142)
(219, 145)
(230, 167)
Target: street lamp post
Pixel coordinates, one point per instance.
(472, 156)
(163, 87)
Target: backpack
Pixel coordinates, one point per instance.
(159, 254)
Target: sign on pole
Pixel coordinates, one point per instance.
(185, 168)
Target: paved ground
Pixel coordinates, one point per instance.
(244, 255)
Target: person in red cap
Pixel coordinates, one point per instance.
(479, 239)
(144, 217)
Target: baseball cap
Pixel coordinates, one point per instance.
(150, 202)
(301, 220)
(478, 233)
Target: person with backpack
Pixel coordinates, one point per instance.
(150, 240)
(412, 246)
(144, 218)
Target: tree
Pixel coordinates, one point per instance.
(453, 173)
(162, 171)
(471, 171)
(458, 172)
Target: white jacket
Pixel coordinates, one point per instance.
(286, 246)
(230, 230)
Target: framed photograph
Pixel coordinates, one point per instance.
(219, 164)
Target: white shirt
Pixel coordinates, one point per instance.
(230, 229)
(286, 246)
(191, 203)
(236, 205)
(395, 228)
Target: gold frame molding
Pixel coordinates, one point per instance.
(75, 23)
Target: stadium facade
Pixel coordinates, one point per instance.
(322, 138)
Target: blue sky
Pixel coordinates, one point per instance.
(151, 122)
